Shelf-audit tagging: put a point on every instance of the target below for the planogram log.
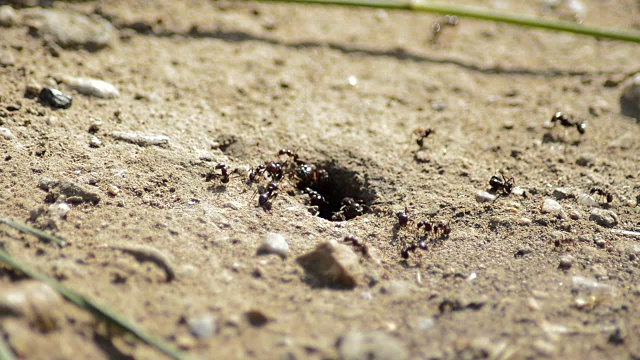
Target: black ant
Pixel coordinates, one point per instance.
(255, 172)
(292, 154)
(405, 252)
(603, 193)
(224, 173)
(566, 122)
(502, 185)
(438, 229)
(356, 243)
(350, 209)
(403, 217)
(266, 197)
(423, 134)
(311, 176)
(315, 198)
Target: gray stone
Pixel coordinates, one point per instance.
(602, 217)
(551, 206)
(561, 193)
(630, 98)
(70, 29)
(203, 326)
(141, 139)
(565, 262)
(586, 159)
(358, 345)
(8, 16)
(274, 243)
(483, 196)
(76, 192)
(331, 264)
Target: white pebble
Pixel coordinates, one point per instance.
(94, 142)
(91, 87)
(6, 133)
(483, 196)
(274, 243)
(59, 210)
(141, 139)
(551, 206)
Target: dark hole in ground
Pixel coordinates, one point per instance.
(337, 193)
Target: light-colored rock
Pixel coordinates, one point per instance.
(70, 29)
(59, 211)
(91, 87)
(8, 16)
(274, 243)
(566, 261)
(203, 326)
(358, 345)
(602, 217)
(561, 193)
(6, 133)
(483, 196)
(630, 98)
(551, 206)
(94, 142)
(141, 139)
(331, 264)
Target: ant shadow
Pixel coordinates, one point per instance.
(397, 53)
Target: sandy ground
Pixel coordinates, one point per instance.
(235, 82)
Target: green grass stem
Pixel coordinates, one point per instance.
(5, 351)
(482, 14)
(100, 312)
(43, 236)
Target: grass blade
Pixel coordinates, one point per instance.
(5, 352)
(98, 311)
(43, 236)
(482, 14)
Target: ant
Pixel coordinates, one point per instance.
(311, 176)
(315, 198)
(255, 172)
(423, 134)
(266, 197)
(224, 173)
(356, 243)
(350, 209)
(603, 193)
(438, 229)
(502, 185)
(564, 121)
(292, 154)
(403, 217)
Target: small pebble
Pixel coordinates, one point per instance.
(425, 323)
(8, 16)
(204, 326)
(561, 193)
(113, 190)
(141, 139)
(54, 98)
(91, 87)
(586, 199)
(7, 59)
(524, 221)
(565, 262)
(274, 243)
(602, 217)
(331, 264)
(630, 98)
(94, 142)
(356, 345)
(256, 318)
(6, 133)
(551, 206)
(586, 160)
(59, 211)
(483, 196)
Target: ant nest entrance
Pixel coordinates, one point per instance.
(334, 193)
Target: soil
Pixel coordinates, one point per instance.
(235, 82)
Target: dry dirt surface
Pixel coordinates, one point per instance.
(537, 267)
